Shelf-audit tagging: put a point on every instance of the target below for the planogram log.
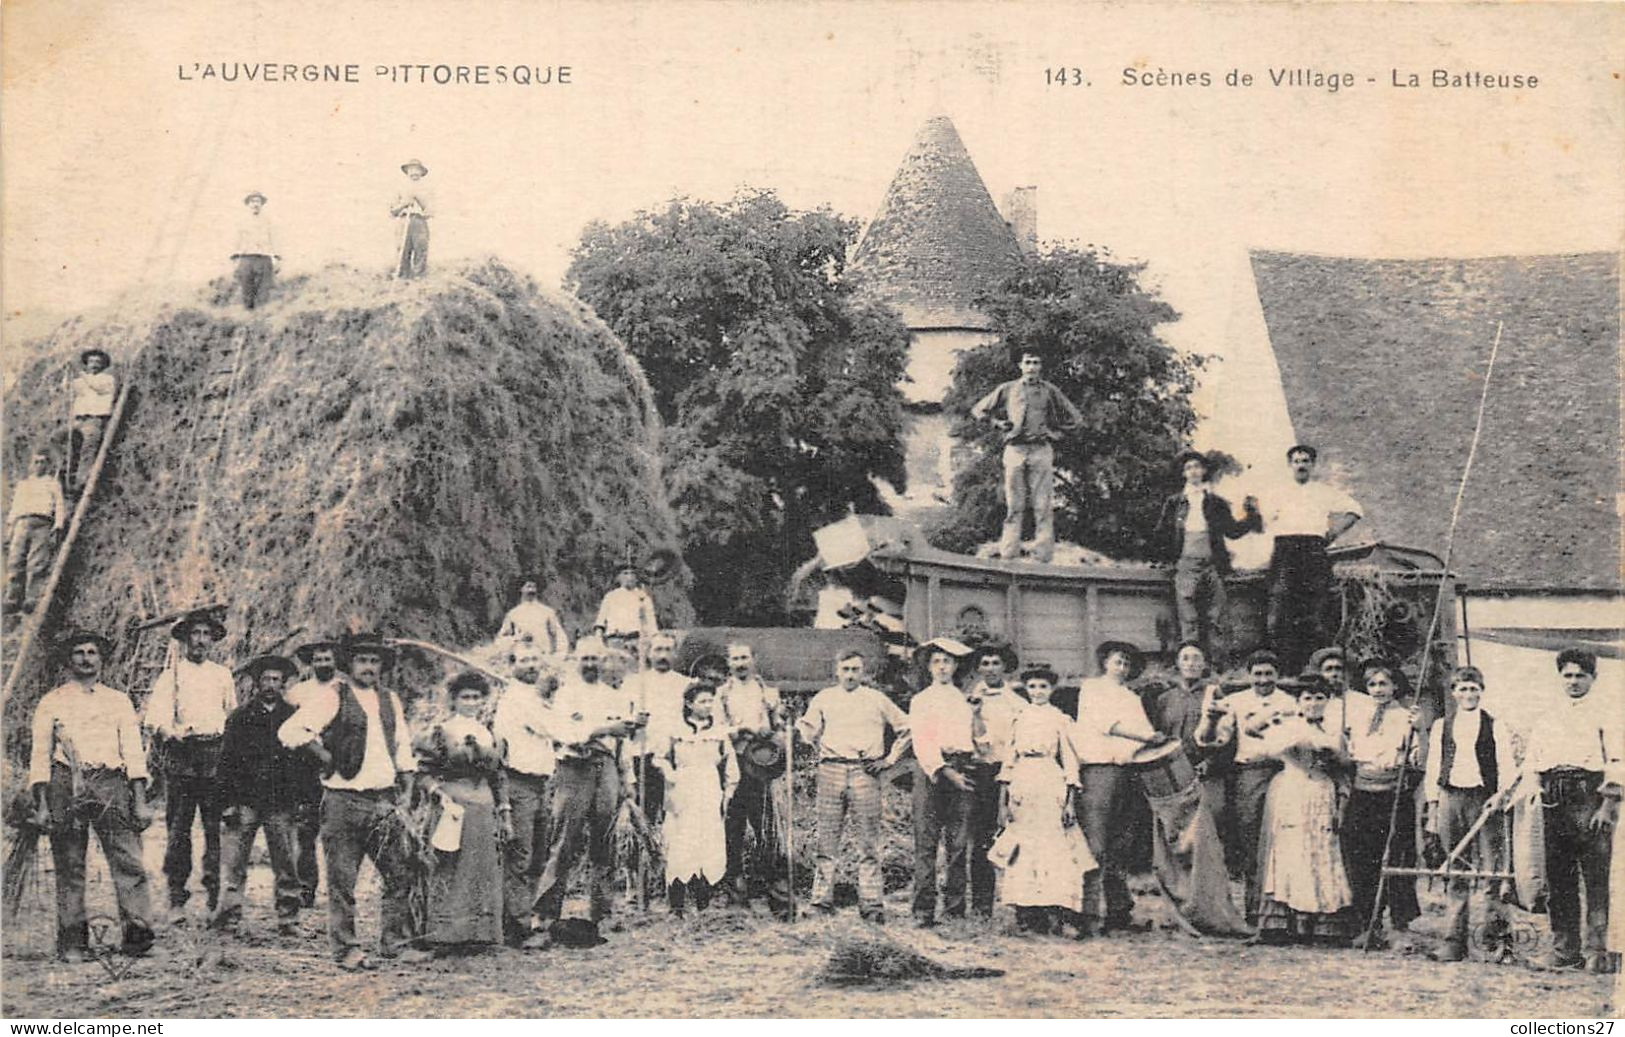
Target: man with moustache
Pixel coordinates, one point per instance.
(324, 658)
(994, 704)
(755, 713)
(1305, 519)
(523, 726)
(657, 691)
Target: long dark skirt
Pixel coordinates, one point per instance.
(465, 889)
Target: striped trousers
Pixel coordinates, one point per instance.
(846, 789)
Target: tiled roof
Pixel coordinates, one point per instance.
(1382, 363)
(938, 239)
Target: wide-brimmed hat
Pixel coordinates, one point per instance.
(261, 663)
(250, 196)
(74, 638)
(304, 652)
(372, 643)
(1002, 650)
(1136, 660)
(107, 361)
(198, 618)
(412, 163)
(960, 652)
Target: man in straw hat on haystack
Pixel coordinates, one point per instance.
(186, 716)
(88, 771)
(263, 785)
(412, 207)
(358, 729)
(255, 252)
(94, 389)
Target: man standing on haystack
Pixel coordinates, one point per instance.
(93, 391)
(255, 253)
(38, 513)
(533, 622)
(88, 771)
(1033, 415)
(357, 729)
(186, 715)
(413, 206)
(626, 616)
(754, 712)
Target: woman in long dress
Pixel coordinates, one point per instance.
(1304, 889)
(696, 757)
(463, 765)
(1041, 853)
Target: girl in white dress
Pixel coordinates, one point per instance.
(697, 759)
(1041, 853)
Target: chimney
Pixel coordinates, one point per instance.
(1021, 213)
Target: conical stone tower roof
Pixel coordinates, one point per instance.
(937, 239)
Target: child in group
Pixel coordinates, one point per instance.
(697, 759)
(1041, 853)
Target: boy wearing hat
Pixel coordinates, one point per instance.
(940, 723)
(847, 722)
(93, 390)
(994, 704)
(38, 513)
(186, 715)
(412, 207)
(255, 253)
(1305, 519)
(357, 729)
(1191, 532)
(263, 785)
(88, 772)
(1032, 415)
(1469, 761)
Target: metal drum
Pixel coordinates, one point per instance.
(1163, 770)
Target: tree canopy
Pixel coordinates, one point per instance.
(777, 387)
(1096, 327)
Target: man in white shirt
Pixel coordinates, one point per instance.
(1385, 737)
(93, 391)
(994, 705)
(754, 712)
(626, 616)
(38, 513)
(532, 622)
(1304, 519)
(357, 728)
(940, 722)
(255, 252)
(413, 207)
(847, 722)
(1469, 761)
(1574, 757)
(657, 691)
(1111, 726)
(88, 772)
(185, 714)
(1244, 718)
(523, 726)
(323, 659)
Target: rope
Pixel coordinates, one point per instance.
(1433, 626)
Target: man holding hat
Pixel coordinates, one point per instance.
(412, 207)
(358, 729)
(940, 722)
(94, 388)
(263, 784)
(1033, 415)
(38, 513)
(754, 712)
(1304, 520)
(1191, 533)
(88, 772)
(256, 254)
(186, 716)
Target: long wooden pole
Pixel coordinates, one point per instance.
(790, 811)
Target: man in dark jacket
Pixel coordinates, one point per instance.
(262, 786)
(1191, 534)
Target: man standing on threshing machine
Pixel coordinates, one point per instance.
(755, 714)
(524, 726)
(1033, 415)
(88, 771)
(38, 514)
(532, 622)
(94, 389)
(590, 723)
(994, 705)
(413, 207)
(1304, 520)
(941, 723)
(1191, 533)
(357, 729)
(186, 714)
(626, 616)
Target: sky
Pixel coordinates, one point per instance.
(117, 173)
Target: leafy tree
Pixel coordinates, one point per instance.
(777, 387)
(1096, 327)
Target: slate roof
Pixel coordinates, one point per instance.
(937, 239)
(1382, 364)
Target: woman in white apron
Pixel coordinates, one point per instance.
(696, 756)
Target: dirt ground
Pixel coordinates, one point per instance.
(728, 962)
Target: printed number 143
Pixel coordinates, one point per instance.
(1062, 75)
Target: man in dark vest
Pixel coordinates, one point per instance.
(1467, 756)
(358, 731)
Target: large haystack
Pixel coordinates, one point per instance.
(394, 453)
